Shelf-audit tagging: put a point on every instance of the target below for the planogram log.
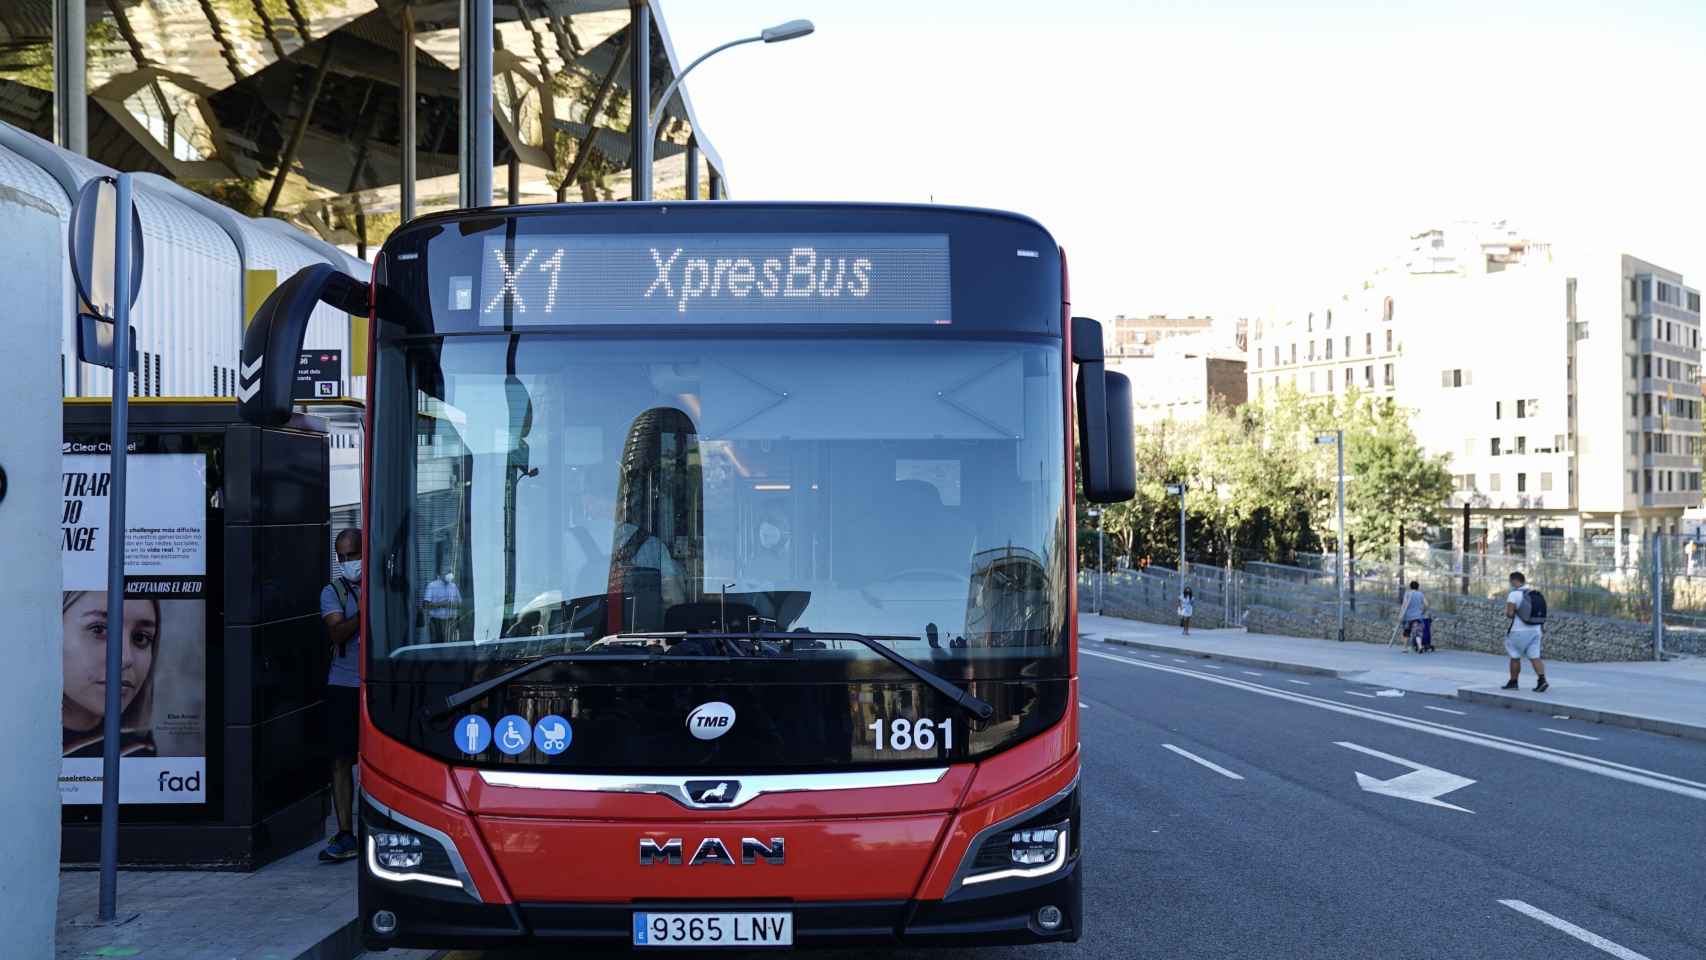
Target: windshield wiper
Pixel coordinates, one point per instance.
(478, 690)
(964, 698)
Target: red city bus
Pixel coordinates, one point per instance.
(747, 531)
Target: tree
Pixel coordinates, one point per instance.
(1399, 490)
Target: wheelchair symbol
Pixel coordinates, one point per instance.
(513, 734)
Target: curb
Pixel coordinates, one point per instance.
(1274, 665)
(344, 943)
(1633, 721)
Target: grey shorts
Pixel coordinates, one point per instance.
(1523, 646)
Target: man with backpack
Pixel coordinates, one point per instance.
(1526, 609)
(340, 608)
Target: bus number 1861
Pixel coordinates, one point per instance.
(904, 734)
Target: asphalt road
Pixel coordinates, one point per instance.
(1233, 812)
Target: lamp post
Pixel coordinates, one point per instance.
(791, 30)
(1178, 489)
(1337, 439)
(1100, 572)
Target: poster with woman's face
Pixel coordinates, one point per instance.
(161, 638)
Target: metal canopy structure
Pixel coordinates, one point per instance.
(294, 107)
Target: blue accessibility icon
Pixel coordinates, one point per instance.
(552, 735)
(513, 734)
(472, 734)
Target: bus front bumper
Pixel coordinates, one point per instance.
(1008, 916)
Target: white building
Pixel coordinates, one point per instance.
(1565, 389)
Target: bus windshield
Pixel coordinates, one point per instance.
(571, 493)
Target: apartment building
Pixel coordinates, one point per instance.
(1138, 336)
(1348, 342)
(1181, 386)
(1565, 387)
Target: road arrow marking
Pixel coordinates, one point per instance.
(1421, 784)
(249, 370)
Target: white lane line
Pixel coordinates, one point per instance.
(1301, 683)
(1208, 666)
(1177, 660)
(1456, 713)
(1250, 673)
(1217, 768)
(1639, 776)
(1586, 936)
(1566, 733)
(1086, 706)
(1353, 693)
(1157, 656)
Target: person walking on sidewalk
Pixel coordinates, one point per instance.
(1526, 609)
(1412, 611)
(340, 607)
(1186, 607)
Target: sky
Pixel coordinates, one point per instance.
(1227, 158)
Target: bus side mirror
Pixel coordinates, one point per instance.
(1122, 440)
(1105, 441)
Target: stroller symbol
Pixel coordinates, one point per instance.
(552, 735)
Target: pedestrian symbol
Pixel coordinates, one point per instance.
(514, 734)
(472, 734)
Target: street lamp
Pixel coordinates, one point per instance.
(1337, 439)
(791, 30)
(1178, 489)
(1101, 570)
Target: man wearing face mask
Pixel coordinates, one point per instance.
(340, 608)
(441, 603)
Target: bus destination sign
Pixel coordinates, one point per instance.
(709, 278)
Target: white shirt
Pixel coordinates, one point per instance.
(442, 591)
(1184, 606)
(1518, 628)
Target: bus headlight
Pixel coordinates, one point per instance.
(397, 851)
(1039, 846)
(1035, 844)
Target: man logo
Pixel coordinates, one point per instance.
(713, 791)
(711, 851)
(708, 721)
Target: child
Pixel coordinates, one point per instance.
(1185, 611)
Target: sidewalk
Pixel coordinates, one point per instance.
(1667, 697)
(294, 909)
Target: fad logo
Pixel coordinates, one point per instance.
(171, 783)
(708, 721)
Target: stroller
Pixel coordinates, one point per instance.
(1421, 636)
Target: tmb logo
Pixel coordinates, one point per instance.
(708, 721)
(171, 783)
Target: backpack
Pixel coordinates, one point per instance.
(1532, 609)
(343, 590)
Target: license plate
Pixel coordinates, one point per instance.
(713, 929)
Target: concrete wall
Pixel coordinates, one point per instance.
(31, 684)
(1478, 625)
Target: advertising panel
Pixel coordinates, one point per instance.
(164, 726)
